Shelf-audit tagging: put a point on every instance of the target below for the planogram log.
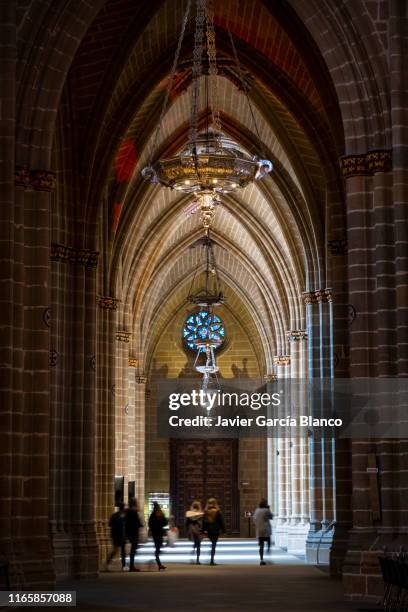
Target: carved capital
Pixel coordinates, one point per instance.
(133, 362)
(281, 360)
(140, 379)
(21, 176)
(295, 335)
(379, 160)
(85, 257)
(40, 180)
(43, 180)
(107, 303)
(324, 295)
(123, 336)
(309, 297)
(366, 164)
(269, 378)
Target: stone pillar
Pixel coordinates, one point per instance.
(25, 297)
(272, 459)
(298, 527)
(105, 437)
(139, 412)
(72, 422)
(313, 346)
(122, 406)
(373, 353)
(282, 365)
(321, 457)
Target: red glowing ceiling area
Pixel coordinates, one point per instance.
(125, 161)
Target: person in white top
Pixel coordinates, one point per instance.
(262, 519)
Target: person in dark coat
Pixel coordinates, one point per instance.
(262, 519)
(194, 527)
(132, 527)
(118, 535)
(213, 524)
(157, 523)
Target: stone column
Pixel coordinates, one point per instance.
(272, 458)
(72, 423)
(282, 365)
(299, 483)
(25, 298)
(122, 406)
(139, 412)
(320, 366)
(105, 438)
(313, 348)
(373, 352)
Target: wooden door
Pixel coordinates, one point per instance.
(202, 469)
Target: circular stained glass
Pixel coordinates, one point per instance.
(203, 325)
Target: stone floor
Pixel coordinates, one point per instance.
(285, 584)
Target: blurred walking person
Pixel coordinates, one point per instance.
(157, 523)
(262, 519)
(213, 524)
(133, 523)
(118, 535)
(194, 527)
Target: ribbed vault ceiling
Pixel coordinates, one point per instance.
(270, 235)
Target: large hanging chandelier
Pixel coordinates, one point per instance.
(211, 164)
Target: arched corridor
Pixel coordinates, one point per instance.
(98, 265)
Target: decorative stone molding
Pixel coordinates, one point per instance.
(324, 295)
(123, 336)
(309, 297)
(43, 180)
(269, 378)
(140, 379)
(107, 303)
(133, 362)
(86, 257)
(366, 164)
(379, 160)
(40, 180)
(53, 358)
(296, 334)
(46, 317)
(337, 246)
(281, 360)
(320, 296)
(21, 177)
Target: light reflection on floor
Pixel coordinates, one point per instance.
(228, 551)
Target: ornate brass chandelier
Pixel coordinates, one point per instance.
(211, 164)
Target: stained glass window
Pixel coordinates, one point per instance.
(202, 325)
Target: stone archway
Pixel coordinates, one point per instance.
(71, 115)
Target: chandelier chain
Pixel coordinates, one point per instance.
(197, 71)
(171, 79)
(212, 68)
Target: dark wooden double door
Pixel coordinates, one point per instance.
(201, 469)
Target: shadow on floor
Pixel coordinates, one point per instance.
(239, 588)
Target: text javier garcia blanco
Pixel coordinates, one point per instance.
(253, 401)
(303, 420)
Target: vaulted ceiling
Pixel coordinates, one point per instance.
(271, 234)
